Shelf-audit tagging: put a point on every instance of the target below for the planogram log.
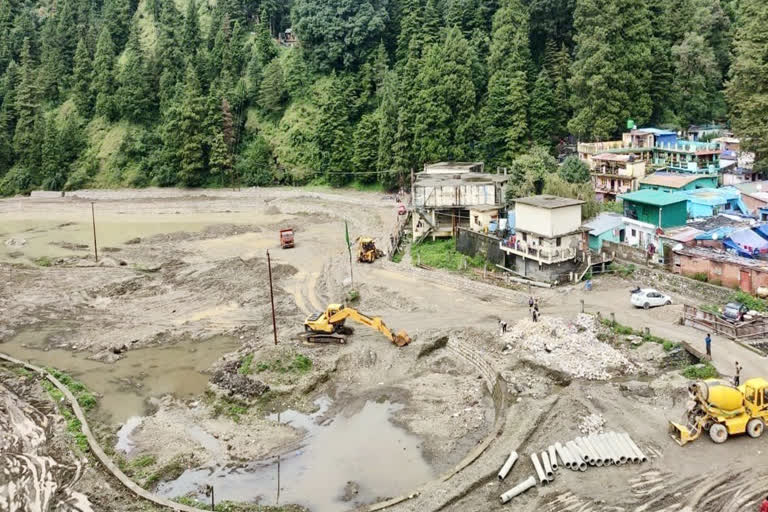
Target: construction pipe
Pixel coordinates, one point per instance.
(626, 451)
(605, 450)
(588, 456)
(643, 458)
(539, 471)
(585, 456)
(507, 467)
(608, 443)
(631, 455)
(598, 456)
(592, 451)
(547, 467)
(518, 489)
(565, 456)
(579, 464)
(552, 457)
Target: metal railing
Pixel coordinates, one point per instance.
(543, 255)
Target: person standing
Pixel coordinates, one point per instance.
(708, 341)
(530, 302)
(764, 506)
(535, 312)
(737, 377)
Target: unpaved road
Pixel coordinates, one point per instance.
(179, 268)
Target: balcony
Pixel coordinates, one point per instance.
(544, 255)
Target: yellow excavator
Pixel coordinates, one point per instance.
(367, 251)
(722, 410)
(328, 326)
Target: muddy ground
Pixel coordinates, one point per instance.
(179, 299)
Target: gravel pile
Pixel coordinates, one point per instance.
(592, 424)
(228, 379)
(572, 348)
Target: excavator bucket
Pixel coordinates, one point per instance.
(401, 339)
(681, 434)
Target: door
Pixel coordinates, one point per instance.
(745, 281)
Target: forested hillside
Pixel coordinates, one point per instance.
(199, 92)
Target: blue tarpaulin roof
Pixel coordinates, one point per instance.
(746, 242)
(721, 233)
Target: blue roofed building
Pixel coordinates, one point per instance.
(707, 202)
(605, 227)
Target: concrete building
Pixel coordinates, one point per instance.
(548, 238)
(688, 156)
(754, 194)
(613, 174)
(721, 268)
(647, 213)
(482, 217)
(677, 182)
(707, 202)
(649, 137)
(606, 227)
(443, 194)
(702, 132)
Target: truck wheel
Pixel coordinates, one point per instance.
(755, 427)
(718, 433)
(646, 306)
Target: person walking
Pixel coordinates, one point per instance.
(535, 312)
(764, 506)
(530, 302)
(708, 341)
(737, 377)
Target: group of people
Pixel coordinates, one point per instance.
(533, 307)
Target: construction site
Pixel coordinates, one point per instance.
(259, 350)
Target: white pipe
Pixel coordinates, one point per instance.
(542, 477)
(631, 455)
(507, 467)
(634, 446)
(586, 452)
(552, 458)
(620, 451)
(518, 489)
(605, 450)
(564, 455)
(625, 449)
(611, 448)
(595, 451)
(580, 464)
(547, 468)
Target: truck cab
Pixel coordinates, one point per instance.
(286, 238)
(756, 397)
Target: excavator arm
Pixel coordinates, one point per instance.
(400, 338)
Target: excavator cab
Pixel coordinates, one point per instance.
(366, 251)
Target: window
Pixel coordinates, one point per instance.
(541, 240)
(634, 233)
(558, 241)
(525, 237)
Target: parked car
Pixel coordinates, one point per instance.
(735, 311)
(649, 298)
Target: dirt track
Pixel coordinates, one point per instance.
(181, 268)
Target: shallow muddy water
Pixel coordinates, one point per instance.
(345, 461)
(125, 386)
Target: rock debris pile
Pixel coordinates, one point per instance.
(592, 424)
(572, 348)
(229, 379)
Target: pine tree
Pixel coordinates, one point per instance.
(334, 133)
(265, 46)
(411, 25)
(136, 91)
(611, 79)
(388, 118)
(747, 90)
(432, 23)
(445, 101)
(103, 86)
(272, 89)
(26, 135)
(190, 153)
(52, 71)
(190, 36)
(544, 119)
(49, 157)
(221, 159)
(117, 16)
(573, 170)
(506, 108)
(696, 86)
(366, 148)
(81, 79)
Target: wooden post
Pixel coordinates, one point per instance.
(93, 221)
(613, 318)
(272, 297)
(582, 305)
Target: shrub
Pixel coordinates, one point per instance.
(700, 276)
(698, 372)
(753, 303)
(245, 365)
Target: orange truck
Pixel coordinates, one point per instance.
(286, 238)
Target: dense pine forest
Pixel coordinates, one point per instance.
(189, 93)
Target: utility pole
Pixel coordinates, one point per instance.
(95, 248)
(272, 296)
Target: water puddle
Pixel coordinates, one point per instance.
(345, 461)
(126, 385)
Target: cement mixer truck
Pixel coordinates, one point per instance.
(717, 407)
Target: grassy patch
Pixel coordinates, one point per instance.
(443, 254)
(299, 364)
(230, 407)
(622, 270)
(245, 365)
(623, 330)
(231, 506)
(43, 261)
(170, 471)
(700, 276)
(698, 372)
(86, 400)
(398, 256)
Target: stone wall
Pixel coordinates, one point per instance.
(703, 293)
(472, 243)
(627, 253)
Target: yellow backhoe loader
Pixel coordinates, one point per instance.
(367, 251)
(328, 326)
(722, 410)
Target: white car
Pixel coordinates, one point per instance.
(649, 298)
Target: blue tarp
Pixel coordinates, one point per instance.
(747, 242)
(762, 230)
